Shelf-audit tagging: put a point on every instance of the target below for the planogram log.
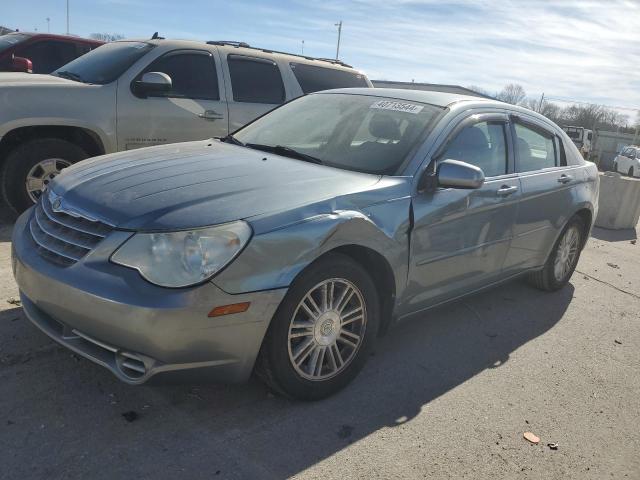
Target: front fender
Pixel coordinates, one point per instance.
(273, 259)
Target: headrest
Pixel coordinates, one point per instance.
(383, 125)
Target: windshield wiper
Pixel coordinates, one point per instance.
(70, 75)
(231, 139)
(285, 152)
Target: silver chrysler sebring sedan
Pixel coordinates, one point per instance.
(289, 246)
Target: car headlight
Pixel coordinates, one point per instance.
(181, 259)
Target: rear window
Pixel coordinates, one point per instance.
(314, 79)
(255, 80)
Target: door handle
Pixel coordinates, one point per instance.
(505, 190)
(565, 178)
(211, 115)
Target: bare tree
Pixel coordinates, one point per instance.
(106, 37)
(513, 94)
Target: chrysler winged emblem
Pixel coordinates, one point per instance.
(56, 205)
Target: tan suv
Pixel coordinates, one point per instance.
(131, 94)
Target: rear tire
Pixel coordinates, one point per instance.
(631, 171)
(615, 166)
(298, 357)
(23, 162)
(553, 276)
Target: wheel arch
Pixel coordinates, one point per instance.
(586, 215)
(381, 273)
(276, 258)
(87, 139)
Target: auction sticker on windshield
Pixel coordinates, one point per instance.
(397, 106)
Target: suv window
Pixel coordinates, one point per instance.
(193, 75)
(535, 149)
(482, 144)
(255, 80)
(313, 79)
(47, 55)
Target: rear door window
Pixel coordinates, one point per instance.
(193, 74)
(314, 79)
(535, 149)
(255, 80)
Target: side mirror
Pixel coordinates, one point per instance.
(457, 174)
(21, 64)
(152, 83)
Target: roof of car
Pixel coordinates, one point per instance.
(245, 49)
(440, 99)
(55, 36)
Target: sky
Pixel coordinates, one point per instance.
(577, 50)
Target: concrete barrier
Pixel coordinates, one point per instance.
(619, 204)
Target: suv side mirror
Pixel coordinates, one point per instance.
(152, 83)
(21, 64)
(456, 174)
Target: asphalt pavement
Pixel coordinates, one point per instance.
(448, 394)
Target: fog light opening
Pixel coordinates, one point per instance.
(130, 365)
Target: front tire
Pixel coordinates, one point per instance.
(323, 332)
(30, 167)
(563, 258)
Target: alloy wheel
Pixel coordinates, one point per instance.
(326, 329)
(567, 253)
(41, 175)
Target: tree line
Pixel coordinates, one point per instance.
(587, 115)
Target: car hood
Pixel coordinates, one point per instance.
(24, 79)
(194, 184)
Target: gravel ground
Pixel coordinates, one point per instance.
(447, 395)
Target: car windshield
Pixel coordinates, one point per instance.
(574, 133)
(355, 132)
(104, 64)
(11, 39)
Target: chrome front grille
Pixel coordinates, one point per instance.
(61, 237)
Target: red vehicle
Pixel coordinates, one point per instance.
(40, 52)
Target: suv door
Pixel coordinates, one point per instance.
(256, 88)
(546, 201)
(460, 238)
(193, 109)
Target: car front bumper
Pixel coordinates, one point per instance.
(110, 315)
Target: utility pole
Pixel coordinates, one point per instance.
(67, 17)
(339, 25)
(302, 47)
(48, 25)
(541, 100)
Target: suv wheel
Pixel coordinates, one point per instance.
(30, 167)
(631, 171)
(323, 332)
(563, 258)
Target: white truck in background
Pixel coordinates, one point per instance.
(582, 137)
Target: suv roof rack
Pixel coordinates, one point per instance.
(233, 43)
(266, 50)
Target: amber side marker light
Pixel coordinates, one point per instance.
(229, 309)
